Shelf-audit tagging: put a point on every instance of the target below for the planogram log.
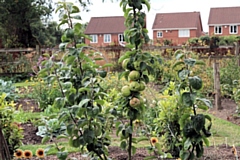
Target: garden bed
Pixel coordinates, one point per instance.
(223, 151)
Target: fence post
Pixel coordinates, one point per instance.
(38, 50)
(217, 89)
(236, 44)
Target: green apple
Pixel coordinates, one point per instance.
(134, 102)
(137, 65)
(125, 63)
(134, 75)
(126, 91)
(135, 86)
(142, 85)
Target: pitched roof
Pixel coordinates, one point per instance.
(177, 20)
(224, 15)
(101, 25)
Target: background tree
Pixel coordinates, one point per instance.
(19, 19)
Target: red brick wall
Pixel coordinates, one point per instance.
(225, 31)
(114, 40)
(173, 36)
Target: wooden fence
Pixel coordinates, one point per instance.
(24, 59)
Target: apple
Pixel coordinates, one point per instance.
(125, 63)
(134, 75)
(135, 86)
(137, 66)
(126, 91)
(134, 102)
(142, 85)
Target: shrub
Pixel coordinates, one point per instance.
(11, 130)
(8, 88)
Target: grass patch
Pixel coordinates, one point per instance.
(53, 150)
(24, 84)
(23, 116)
(224, 132)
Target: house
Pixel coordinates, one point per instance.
(224, 21)
(105, 31)
(176, 27)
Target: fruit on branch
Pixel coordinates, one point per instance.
(134, 102)
(126, 91)
(134, 75)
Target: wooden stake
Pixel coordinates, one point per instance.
(217, 89)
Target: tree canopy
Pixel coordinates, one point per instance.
(21, 21)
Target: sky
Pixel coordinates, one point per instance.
(108, 8)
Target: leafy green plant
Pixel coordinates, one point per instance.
(12, 131)
(51, 127)
(45, 92)
(8, 88)
(195, 128)
(81, 104)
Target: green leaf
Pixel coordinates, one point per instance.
(205, 101)
(190, 62)
(199, 150)
(83, 102)
(107, 65)
(184, 155)
(187, 144)
(76, 142)
(195, 82)
(123, 145)
(134, 149)
(178, 64)
(62, 136)
(183, 74)
(62, 155)
(70, 60)
(142, 139)
(187, 99)
(159, 148)
(70, 129)
(203, 107)
(206, 141)
(45, 139)
(75, 9)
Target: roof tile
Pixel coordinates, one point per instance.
(224, 15)
(176, 20)
(106, 25)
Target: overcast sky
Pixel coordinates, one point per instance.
(109, 8)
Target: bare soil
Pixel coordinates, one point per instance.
(221, 152)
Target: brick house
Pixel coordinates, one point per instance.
(176, 27)
(105, 31)
(224, 21)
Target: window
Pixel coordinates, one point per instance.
(159, 34)
(233, 29)
(218, 29)
(107, 38)
(94, 39)
(184, 33)
(121, 38)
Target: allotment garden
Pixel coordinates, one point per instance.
(152, 107)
